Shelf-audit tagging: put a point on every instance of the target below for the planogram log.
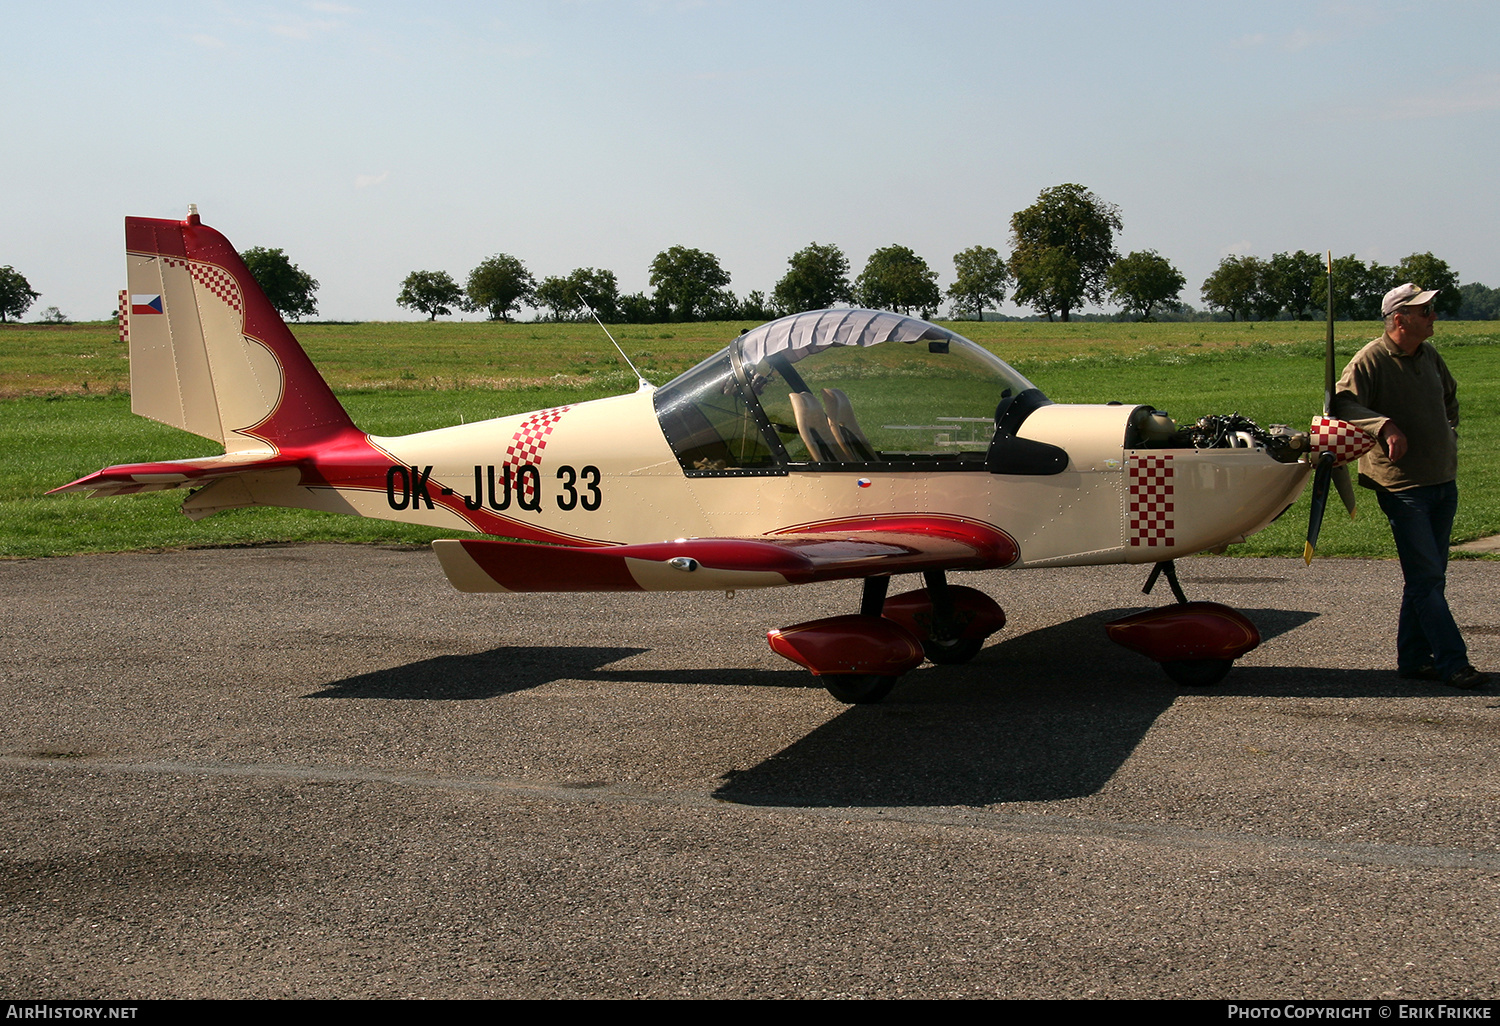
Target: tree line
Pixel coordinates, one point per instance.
(1062, 257)
(1296, 285)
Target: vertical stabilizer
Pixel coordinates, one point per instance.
(209, 353)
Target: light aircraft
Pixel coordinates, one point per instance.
(830, 445)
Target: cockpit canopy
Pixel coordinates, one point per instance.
(838, 389)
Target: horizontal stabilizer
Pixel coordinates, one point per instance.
(130, 478)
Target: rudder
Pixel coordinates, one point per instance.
(209, 353)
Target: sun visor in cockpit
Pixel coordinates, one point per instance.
(805, 334)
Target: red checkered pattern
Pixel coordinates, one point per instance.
(217, 280)
(124, 318)
(531, 438)
(1151, 505)
(1341, 438)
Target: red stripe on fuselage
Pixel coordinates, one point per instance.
(994, 546)
(551, 568)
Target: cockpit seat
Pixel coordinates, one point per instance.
(815, 428)
(854, 443)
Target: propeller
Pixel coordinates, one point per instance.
(1337, 443)
(1321, 477)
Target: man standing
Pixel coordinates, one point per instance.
(1398, 389)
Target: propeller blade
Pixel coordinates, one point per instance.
(1345, 485)
(1319, 504)
(1328, 367)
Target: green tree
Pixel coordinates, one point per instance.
(1358, 288)
(895, 278)
(16, 293)
(818, 278)
(639, 308)
(724, 306)
(290, 289)
(499, 284)
(1143, 281)
(688, 281)
(599, 288)
(1288, 280)
(566, 297)
(1379, 279)
(1480, 302)
(1431, 273)
(757, 308)
(1062, 247)
(1266, 300)
(982, 276)
(434, 293)
(558, 295)
(1233, 286)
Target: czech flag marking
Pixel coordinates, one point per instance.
(145, 304)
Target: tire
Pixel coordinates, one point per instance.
(1198, 673)
(858, 688)
(952, 653)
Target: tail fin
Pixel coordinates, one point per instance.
(209, 353)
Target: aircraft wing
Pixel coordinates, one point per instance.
(862, 547)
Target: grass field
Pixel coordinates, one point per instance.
(64, 409)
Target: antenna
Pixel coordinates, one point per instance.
(641, 383)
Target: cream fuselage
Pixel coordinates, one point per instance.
(607, 475)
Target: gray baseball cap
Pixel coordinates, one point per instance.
(1405, 295)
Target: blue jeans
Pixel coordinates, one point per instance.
(1421, 521)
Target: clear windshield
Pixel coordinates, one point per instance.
(930, 399)
(849, 388)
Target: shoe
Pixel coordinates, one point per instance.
(1426, 671)
(1468, 678)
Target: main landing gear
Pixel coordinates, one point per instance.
(1195, 642)
(859, 657)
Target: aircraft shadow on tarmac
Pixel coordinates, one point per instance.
(500, 671)
(1041, 716)
(1020, 723)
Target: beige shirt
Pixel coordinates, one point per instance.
(1383, 384)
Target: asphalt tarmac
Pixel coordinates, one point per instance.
(320, 772)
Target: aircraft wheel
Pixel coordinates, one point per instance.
(858, 688)
(952, 653)
(1198, 673)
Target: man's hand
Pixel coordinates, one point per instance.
(1394, 440)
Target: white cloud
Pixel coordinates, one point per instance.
(207, 41)
(1301, 39)
(365, 181)
(1477, 94)
(1289, 42)
(301, 28)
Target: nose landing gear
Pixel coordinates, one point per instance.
(1195, 642)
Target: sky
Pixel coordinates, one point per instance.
(369, 140)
